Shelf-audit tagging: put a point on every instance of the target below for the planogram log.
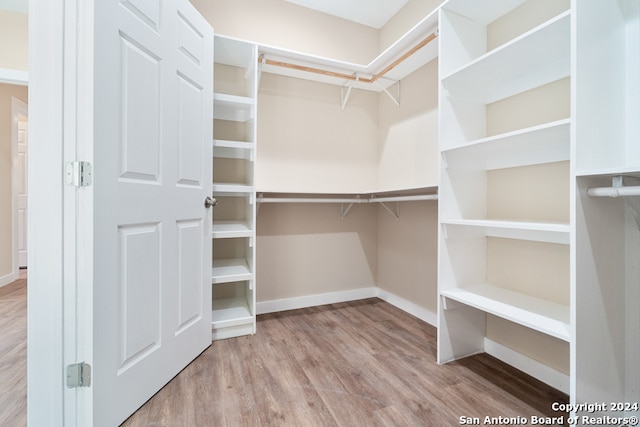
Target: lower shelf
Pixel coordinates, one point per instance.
(541, 315)
(231, 317)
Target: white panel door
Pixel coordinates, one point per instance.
(152, 171)
(22, 185)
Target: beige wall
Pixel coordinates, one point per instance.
(6, 92)
(15, 40)
(307, 143)
(408, 135)
(286, 25)
(537, 269)
(408, 253)
(406, 18)
(306, 249)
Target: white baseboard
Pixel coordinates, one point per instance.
(409, 307)
(314, 300)
(8, 278)
(544, 373)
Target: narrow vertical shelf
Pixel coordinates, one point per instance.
(233, 232)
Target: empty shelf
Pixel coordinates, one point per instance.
(230, 229)
(230, 270)
(232, 188)
(544, 143)
(549, 232)
(233, 149)
(230, 312)
(538, 314)
(233, 108)
(499, 73)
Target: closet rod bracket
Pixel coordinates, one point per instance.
(395, 214)
(395, 99)
(344, 98)
(345, 210)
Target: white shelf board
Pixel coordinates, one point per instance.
(220, 187)
(546, 143)
(233, 52)
(233, 108)
(611, 172)
(405, 43)
(538, 314)
(230, 270)
(230, 312)
(548, 232)
(537, 57)
(233, 150)
(230, 229)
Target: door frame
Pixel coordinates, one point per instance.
(60, 287)
(18, 107)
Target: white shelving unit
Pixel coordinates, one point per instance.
(606, 137)
(473, 76)
(234, 142)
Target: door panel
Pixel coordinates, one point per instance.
(152, 170)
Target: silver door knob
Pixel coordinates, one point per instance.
(209, 202)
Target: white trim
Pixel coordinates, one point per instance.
(14, 77)
(542, 372)
(315, 300)
(45, 324)
(294, 303)
(8, 278)
(409, 307)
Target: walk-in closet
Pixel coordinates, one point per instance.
(453, 175)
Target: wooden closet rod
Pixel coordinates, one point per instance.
(313, 70)
(353, 77)
(416, 48)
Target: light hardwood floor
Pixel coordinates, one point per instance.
(362, 363)
(13, 354)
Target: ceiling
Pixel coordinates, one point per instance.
(374, 13)
(20, 6)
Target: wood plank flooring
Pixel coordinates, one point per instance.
(362, 363)
(13, 354)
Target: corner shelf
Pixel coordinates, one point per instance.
(535, 313)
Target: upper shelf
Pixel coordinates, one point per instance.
(539, 56)
(403, 45)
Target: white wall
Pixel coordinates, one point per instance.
(14, 40)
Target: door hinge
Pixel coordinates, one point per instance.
(78, 375)
(78, 174)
